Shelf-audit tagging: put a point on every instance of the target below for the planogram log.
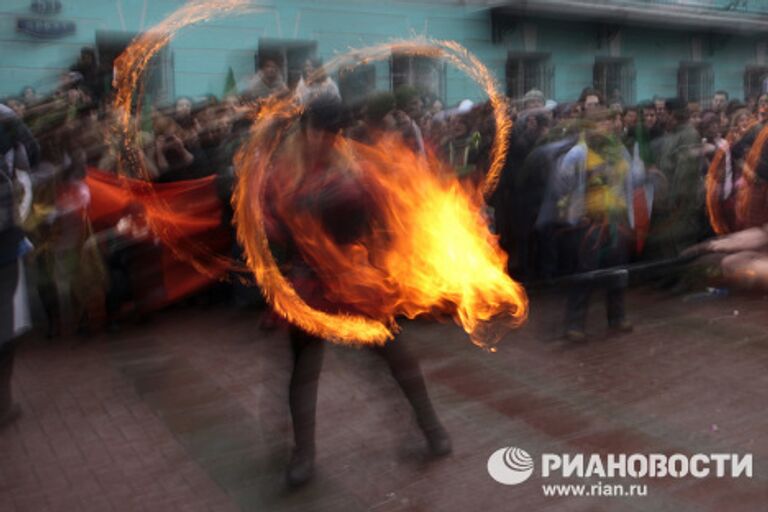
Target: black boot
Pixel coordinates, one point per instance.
(438, 440)
(308, 361)
(301, 468)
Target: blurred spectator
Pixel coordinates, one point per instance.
(533, 99)
(594, 187)
(315, 83)
(267, 81)
(719, 101)
(678, 220)
(590, 98)
(14, 303)
(762, 109)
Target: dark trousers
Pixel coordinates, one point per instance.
(308, 361)
(9, 279)
(7, 353)
(598, 247)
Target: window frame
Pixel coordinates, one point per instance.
(546, 74)
(706, 81)
(291, 54)
(411, 80)
(627, 78)
(750, 87)
(346, 78)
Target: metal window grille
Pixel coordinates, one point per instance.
(424, 73)
(695, 81)
(526, 71)
(755, 81)
(615, 77)
(356, 83)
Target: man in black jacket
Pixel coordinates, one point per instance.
(14, 310)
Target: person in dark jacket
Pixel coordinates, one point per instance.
(344, 208)
(14, 308)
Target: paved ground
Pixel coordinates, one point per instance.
(189, 413)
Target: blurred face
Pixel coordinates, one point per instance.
(458, 128)
(270, 70)
(742, 123)
(414, 108)
(661, 110)
(762, 108)
(618, 124)
(630, 119)
(711, 129)
(534, 103)
(718, 102)
(695, 119)
(649, 117)
(184, 107)
(591, 102)
(604, 126)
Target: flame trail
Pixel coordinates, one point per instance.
(439, 256)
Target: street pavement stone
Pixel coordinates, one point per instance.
(189, 412)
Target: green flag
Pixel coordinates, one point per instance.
(230, 85)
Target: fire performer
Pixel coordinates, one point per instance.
(312, 178)
(742, 257)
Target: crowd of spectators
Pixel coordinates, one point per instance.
(628, 179)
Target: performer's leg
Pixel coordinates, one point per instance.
(307, 363)
(406, 371)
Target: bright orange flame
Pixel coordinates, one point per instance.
(428, 250)
(749, 204)
(129, 70)
(448, 237)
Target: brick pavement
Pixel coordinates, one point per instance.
(189, 412)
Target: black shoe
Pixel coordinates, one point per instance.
(439, 441)
(301, 468)
(575, 335)
(621, 327)
(11, 415)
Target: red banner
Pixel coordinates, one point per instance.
(186, 216)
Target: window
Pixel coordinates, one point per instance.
(290, 55)
(424, 73)
(356, 83)
(526, 71)
(615, 76)
(695, 81)
(755, 78)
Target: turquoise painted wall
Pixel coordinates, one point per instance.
(203, 53)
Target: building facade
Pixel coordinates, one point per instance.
(635, 49)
